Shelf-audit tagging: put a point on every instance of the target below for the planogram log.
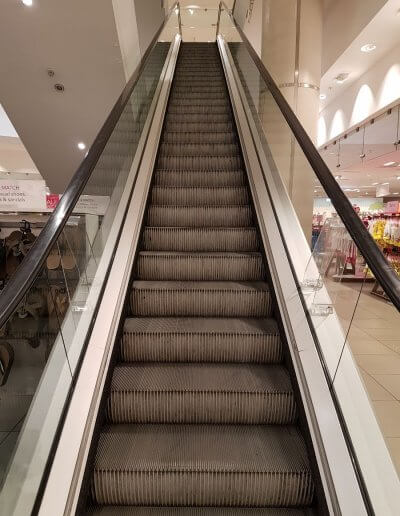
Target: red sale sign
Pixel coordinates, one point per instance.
(52, 201)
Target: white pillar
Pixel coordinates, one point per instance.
(291, 51)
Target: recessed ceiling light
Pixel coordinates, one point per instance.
(374, 184)
(81, 146)
(369, 47)
(27, 2)
(322, 96)
(398, 177)
(385, 183)
(341, 78)
(389, 164)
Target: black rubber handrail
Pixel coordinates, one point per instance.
(21, 282)
(382, 270)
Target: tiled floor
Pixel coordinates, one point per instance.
(374, 338)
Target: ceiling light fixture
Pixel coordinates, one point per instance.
(322, 96)
(191, 11)
(385, 183)
(81, 146)
(27, 2)
(389, 164)
(374, 184)
(341, 78)
(369, 47)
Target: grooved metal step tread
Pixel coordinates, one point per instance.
(201, 393)
(206, 118)
(200, 239)
(195, 266)
(203, 326)
(219, 286)
(169, 339)
(199, 149)
(199, 109)
(199, 99)
(203, 465)
(172, 162)
(199, 216)
(194, 511)
(228, 378)
(199, 178)
(201, 299)
(192, 138)
(198, 127)
(199, 195)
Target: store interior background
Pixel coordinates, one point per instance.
(347, 99)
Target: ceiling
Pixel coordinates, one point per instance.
(364, 174)
(199, 19)
(79, 41)
(383, 31)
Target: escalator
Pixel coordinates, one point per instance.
(195, 368)
(201, 411)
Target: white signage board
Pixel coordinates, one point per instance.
(92, 204)
(382, 190)
(22, 195)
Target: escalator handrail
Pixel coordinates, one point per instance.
(382, 270)
(18, 286)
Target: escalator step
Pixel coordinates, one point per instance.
(201, 393)
(190, 126)
(172, 162)
(202, 465)
(201, 340)
(199, 178)
(178, 266)
(199, 216)
(194, 511)
(199, 109)
(218, 137)
(196, 195)
(199, 149)
(200, 239)
(190, 99)
(200, 299)
(202, 118)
